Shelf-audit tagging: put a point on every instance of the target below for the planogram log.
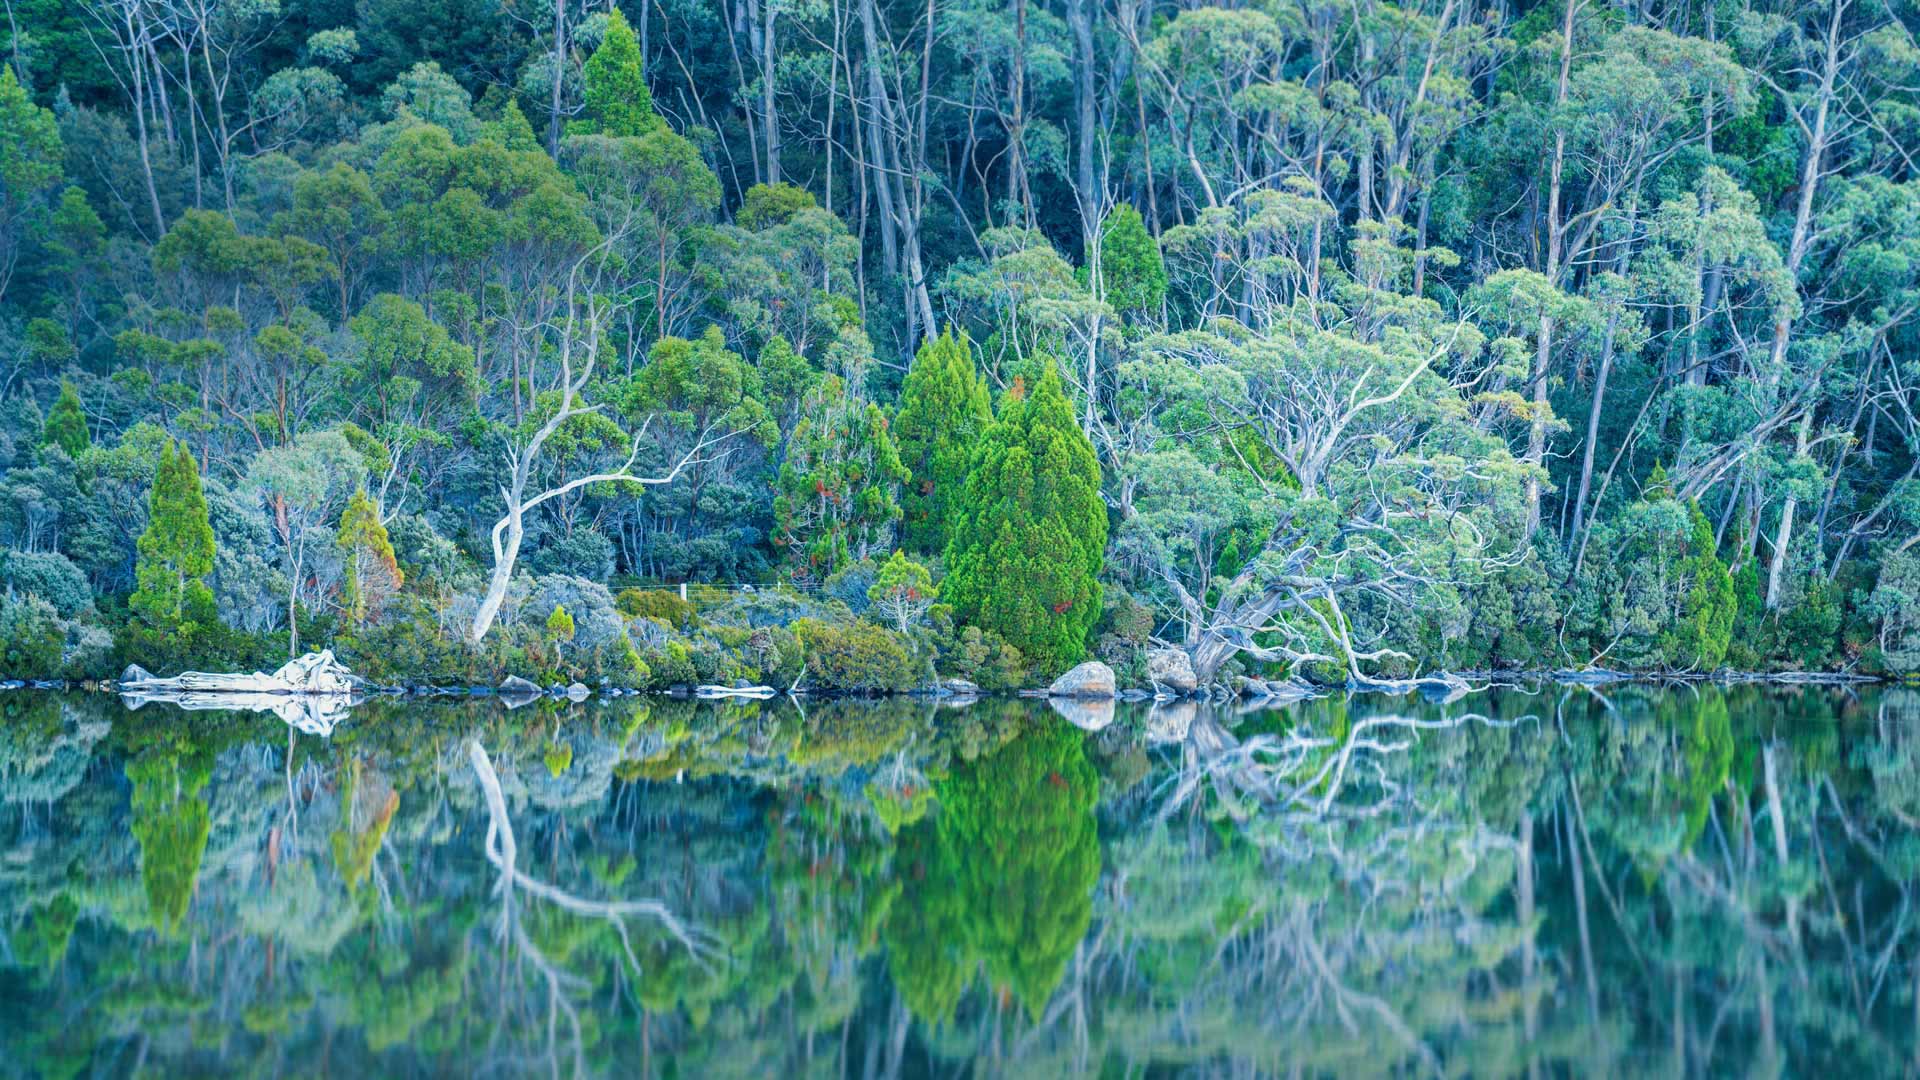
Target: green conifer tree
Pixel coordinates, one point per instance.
(838, 493)
(618, 102)
(944, 406)
(1130, 264)
(66, 425)
(176, 550)
(1027, 538)
(1699, 639)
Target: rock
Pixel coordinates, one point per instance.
(514, 684)
(12, 684)
(1092, 679)
(48, 684)
(1172, 669)
(1134, 694)
(1085, 713)
(577, 692)
(136, 674)
(960, 687)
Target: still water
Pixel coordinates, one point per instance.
(1544, 881)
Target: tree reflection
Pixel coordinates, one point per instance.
(1554, 880)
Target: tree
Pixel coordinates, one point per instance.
(618, 102)
(1025, 555)
(838, 495)
(371, 574)
(902, 590)
(576, 338)
(66, 425)
(559, 629)
(1131, 269)
(944, 406)
(30, 153)
(302, 485)
(176, 551)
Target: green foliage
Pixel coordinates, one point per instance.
(856, 656)
(1658, 595)
(48, 575)
(1130, 264)
(617, 100)
(1025, 559)
(66, 425)
(944, 408)
(663, 605)
(31, 640)
(176, 551)
(371, 573)
(839, 488)
(902, 591)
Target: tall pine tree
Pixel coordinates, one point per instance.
(66, 425)
(176, 551)
(1028, 533)
(944, 407)
(618, 102)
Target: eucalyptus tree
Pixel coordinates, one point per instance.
(573, 343)
(1299, 467)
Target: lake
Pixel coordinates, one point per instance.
(1548, 881)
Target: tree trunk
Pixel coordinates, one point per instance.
(504, 555)
(1817, 136)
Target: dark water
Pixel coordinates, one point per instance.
(1550, 883)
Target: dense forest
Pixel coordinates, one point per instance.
(1341, 340)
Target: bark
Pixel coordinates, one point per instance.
(1537, 429)
(1818, 134)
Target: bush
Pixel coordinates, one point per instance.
(671, 665)
(31, 638)
(775, 655)
(596, 622)
(663, 605)
(1120, 637)
(859, 656)
(852, 584)
(50, 576)
(979, 656)
(427, 558)
(582, 553)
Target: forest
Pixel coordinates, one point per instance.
(857, 343)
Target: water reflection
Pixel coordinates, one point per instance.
(1696, 881)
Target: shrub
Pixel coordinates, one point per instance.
(671, 665)
(859, 656)
(426, 557)
(596, 622)
(663, 605)
(979, 656)
(50, 576)
(582, 553)
(31, 638)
